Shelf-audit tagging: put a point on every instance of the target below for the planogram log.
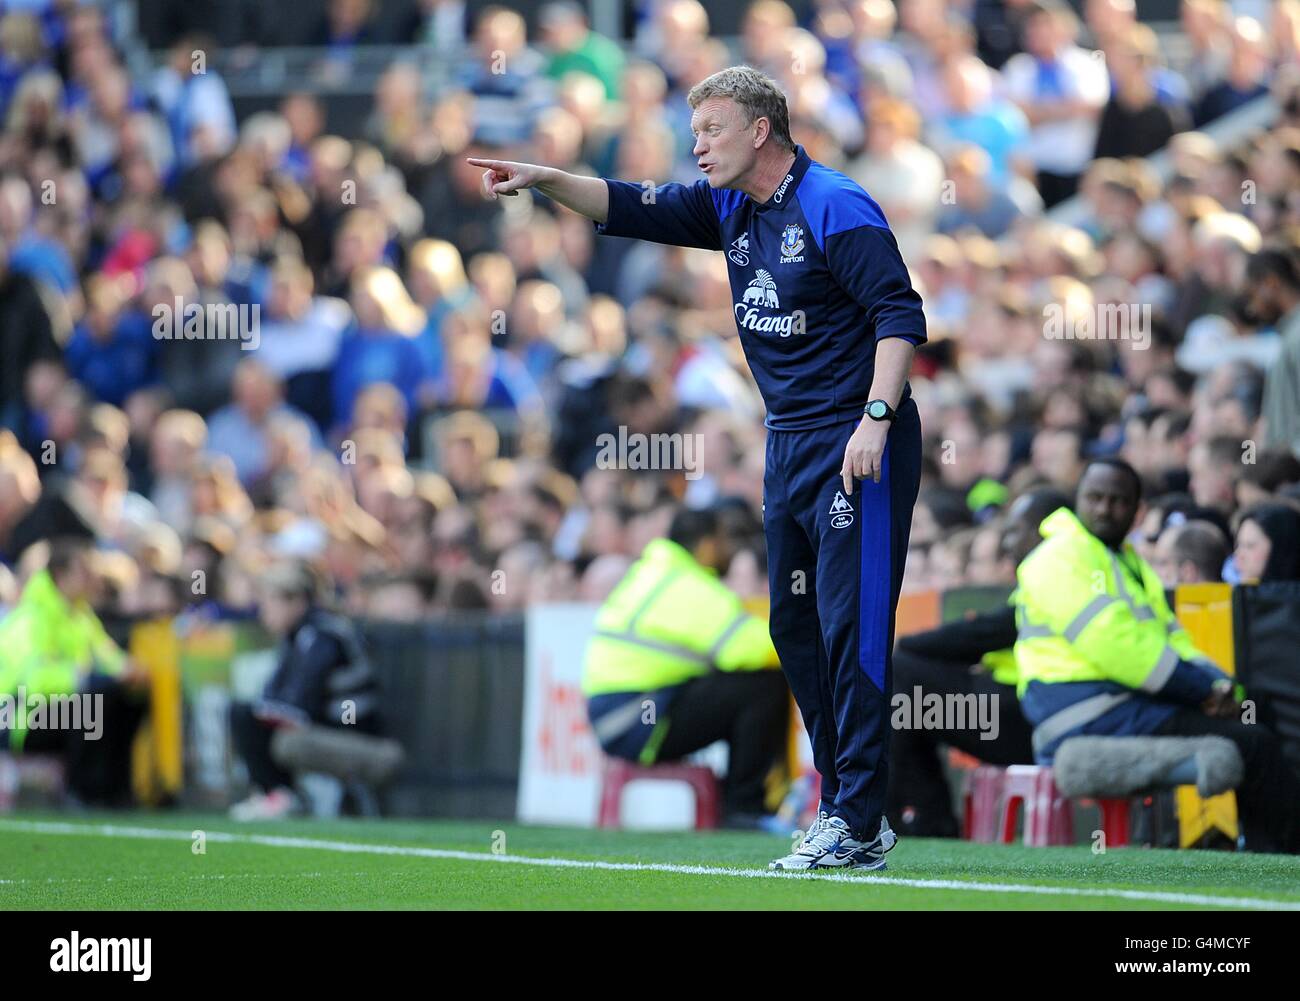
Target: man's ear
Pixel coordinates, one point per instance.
(762, 129)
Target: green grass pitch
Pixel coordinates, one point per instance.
(146, 861)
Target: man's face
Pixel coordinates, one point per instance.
(1149, 528)
(712, 551)
(1021, 534)
(1041, 38)
(1209, 485)
(1164, 559)
(1106, 504)
(1126, 64)
(968, 452)
(985, 565)
(1262, 301)
(254, 390)
(724, 141)
(77, 581)
(280, 612)
(287, 295)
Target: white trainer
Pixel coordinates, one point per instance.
(823, 835)
(858, 855)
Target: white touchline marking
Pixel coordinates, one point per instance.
(275, 841)
(60, 880)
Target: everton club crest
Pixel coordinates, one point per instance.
(792, 244)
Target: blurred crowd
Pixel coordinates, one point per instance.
(417, 408)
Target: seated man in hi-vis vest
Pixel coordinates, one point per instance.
(82, 697)
(677, 663)
(1100, 653)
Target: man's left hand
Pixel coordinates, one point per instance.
(1221, 705)
(864, 452)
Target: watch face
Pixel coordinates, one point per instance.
(877, 410)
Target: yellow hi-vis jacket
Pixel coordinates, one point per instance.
(48, 645)
(669, 620)
(1097, 648)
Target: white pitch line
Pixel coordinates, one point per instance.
(60, 880)
(275, 841)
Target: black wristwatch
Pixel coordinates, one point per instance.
(879, 410)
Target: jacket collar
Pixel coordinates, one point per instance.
(308, 619)
(1063, 521)
(785, 190)
(670, 554)
(43, 593)
(1060, 521)
(666, 551)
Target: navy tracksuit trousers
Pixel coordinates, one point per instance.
(835, 567)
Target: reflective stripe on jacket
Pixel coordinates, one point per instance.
(669, 620)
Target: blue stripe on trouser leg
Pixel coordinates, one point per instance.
(904, 452)
(842, 522)
(793, 621)
(875, 574)
(858, 544)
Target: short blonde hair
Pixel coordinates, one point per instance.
(441, 261)
(385, 287)
(185, 425)
(1231, 227)
(755, 92)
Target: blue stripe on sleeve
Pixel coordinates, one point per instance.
(833, 203)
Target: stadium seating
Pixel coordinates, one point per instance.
(1108, 770)
(980, 803)
(618, 773)
(1049, 819)
(993, 800)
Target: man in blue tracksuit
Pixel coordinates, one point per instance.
(829, 322)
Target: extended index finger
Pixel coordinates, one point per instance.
(478, 161)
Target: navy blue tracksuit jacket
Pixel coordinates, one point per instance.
(816, 280)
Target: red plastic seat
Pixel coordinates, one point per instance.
(1049, 818)
(618, 773)
(981, 803)
(1114, 821)
(992, 798)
